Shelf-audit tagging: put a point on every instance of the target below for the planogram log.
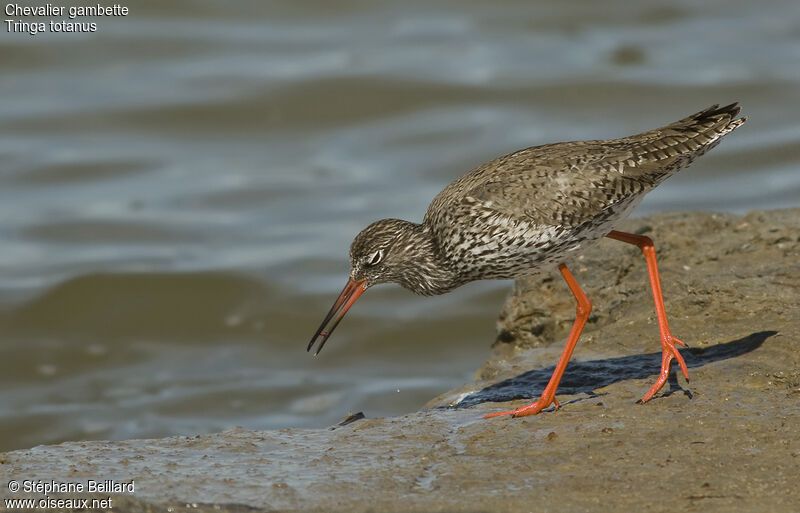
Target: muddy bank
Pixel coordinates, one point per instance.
(726, 442)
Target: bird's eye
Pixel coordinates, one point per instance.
(375, 258)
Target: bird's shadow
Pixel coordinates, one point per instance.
(587, 376)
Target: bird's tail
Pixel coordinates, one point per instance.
(704, 130)
(675, 146)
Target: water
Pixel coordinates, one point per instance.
(179, 189)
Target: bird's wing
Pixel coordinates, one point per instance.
(567, 184)
(562, 184)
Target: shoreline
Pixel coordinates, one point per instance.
(726, 441)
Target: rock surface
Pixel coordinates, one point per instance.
(728, 442)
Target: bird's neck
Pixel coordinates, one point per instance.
(427, 272)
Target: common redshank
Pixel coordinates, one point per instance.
(529, 212)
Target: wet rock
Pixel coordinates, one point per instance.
(729, 441)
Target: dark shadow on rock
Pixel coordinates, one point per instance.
(673, 386)
(585, 377)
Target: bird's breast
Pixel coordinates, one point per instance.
(495, 246)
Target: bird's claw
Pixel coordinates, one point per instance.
(679, 342)
(669, 342)
(669, 351)
(531, 409)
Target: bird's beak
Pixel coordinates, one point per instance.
(349, 294)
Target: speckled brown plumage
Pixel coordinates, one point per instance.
(532, 209)
(529, 211)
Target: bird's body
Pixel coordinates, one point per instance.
(529, 211)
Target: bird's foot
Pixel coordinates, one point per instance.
(668, 352)
(531, 409)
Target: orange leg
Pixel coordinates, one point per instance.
(549, 394)
(668, 349)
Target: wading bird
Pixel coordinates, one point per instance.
(528, 212)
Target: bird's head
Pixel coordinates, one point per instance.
(381, 251)
(386, 251)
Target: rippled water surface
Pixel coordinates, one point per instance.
(178, 190)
